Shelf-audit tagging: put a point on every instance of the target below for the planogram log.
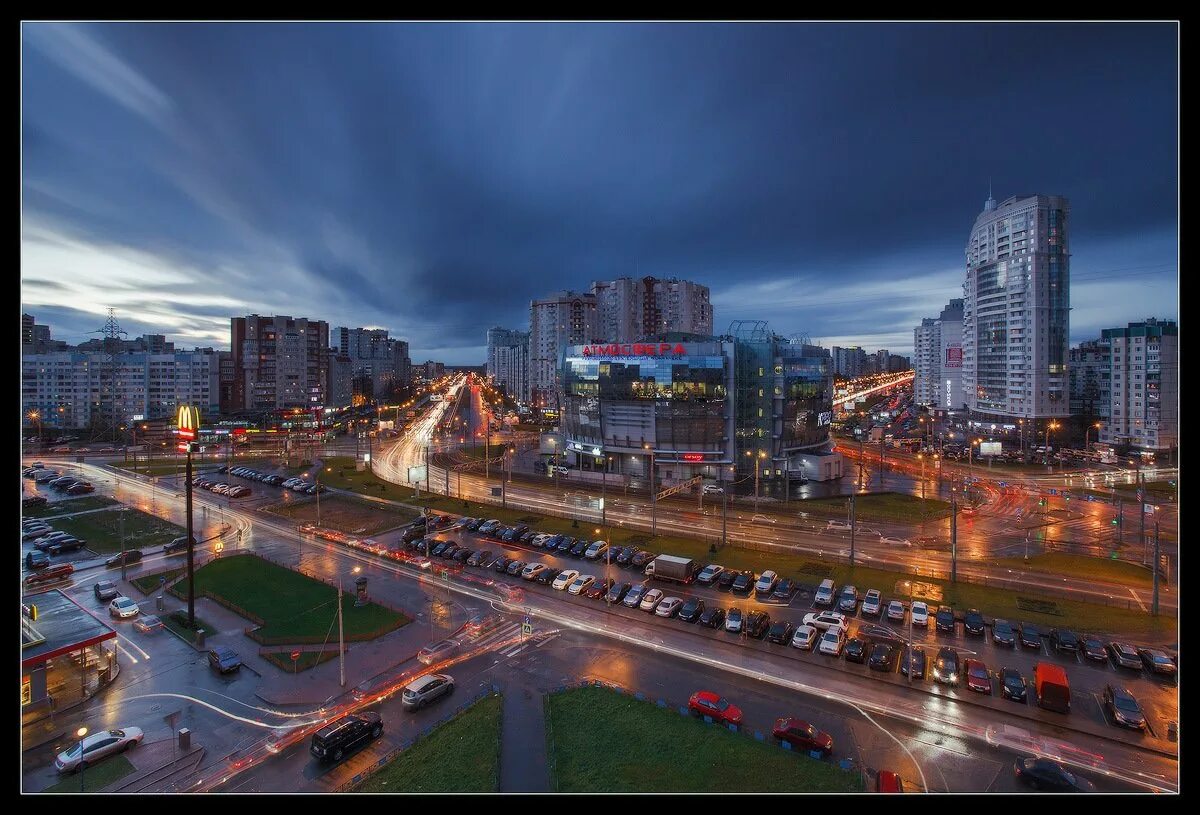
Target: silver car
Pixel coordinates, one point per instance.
(427, 689)
(97, 746)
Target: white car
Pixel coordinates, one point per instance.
(713, 489)
(762, 519)
(533, 570)
(826, 620)
(766, 582)
(872, 604)
(556, 468)
(866, 530)
(895, 611)
(709, 573)
(840, 526)
(920, 614)
(564, 579)
(804, 638)
(651, 599)
(884, 539)
(97, 746)
(669, 607)
(539, 540)
(581, 584)
(832, 642)
(123, 608)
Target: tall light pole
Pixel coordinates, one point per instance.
(36, 416)
(1051, 425)
(80, 733)
(187, 421)
(653, 495)
(757, 466)
(603, 487)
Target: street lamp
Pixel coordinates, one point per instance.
(1052, 425)
(35, 416)
(81, 732)
(761, 455)
(653, 495)
(1086, 431)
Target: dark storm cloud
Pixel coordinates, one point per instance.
(434, 178)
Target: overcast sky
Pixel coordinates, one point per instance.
(433, 178)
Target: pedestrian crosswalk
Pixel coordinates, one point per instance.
(501, 635)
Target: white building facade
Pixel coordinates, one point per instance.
(1143, 386)
(555, 322)
(508, 361)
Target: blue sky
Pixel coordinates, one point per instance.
(434, 178)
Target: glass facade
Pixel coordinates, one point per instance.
(804, 384)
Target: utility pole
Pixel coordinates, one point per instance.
(881, 443)
(426, 468)
(953, 537)
(653, 498)
(341, 640)
(1141, 497)
(1154, 569)
(724, 516)
(852, 525)
(123, 565)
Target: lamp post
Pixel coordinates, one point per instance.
(603, 488)
(1086, 431)
(36, 416)
(757, 466)
(187, 421)
(80, 733)
(653, 495)
(1051, 425)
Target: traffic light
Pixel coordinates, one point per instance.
(1041, 502)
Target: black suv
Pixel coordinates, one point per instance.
(780, 633)
(1064, 640)
(973, 622)
(756, 624)
(945, 619)
(333, 741)
(693, 607)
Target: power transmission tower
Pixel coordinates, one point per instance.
(111, 334)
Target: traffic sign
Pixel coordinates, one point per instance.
(526, 628)
(295, 655)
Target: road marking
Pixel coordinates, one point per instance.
(543, 642)
(512, 653)
(1138, 599)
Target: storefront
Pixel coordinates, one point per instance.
(67, 655)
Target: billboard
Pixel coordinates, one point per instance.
(954, 356)
(989, 448)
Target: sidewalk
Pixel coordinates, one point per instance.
(523, 740)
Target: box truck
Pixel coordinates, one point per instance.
(669, 567)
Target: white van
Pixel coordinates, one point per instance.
(824, 595)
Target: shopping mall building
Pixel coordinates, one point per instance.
(692, 406)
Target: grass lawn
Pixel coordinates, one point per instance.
(339, 473)
(462, 755)
(294, 608)
(102, 530)
(69, 505)
(602, 741)
(884, 506)
(96, 778)
(177, 622)
(343, 513)
(1112, 571)
(308, 659)
(148, 584)
(479, 452)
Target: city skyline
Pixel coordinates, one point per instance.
(434, 179)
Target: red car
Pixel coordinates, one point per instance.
(803, 735)
(977, 676)
(706, 703)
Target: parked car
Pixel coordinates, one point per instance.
(177, 545)
(944, 621)
(945, 667)
(651, 599)
(1029, 635)
(804, 637)
(973, 622)
(32, 501)
(832, 641)
(598, 589)
(1064, 640)
(881, 657)
(425, 690)
(847, 599)
(83, 753)
(756, 624)
(1012, 685)
(708, 574)
(1125, 655)
(856, 650)
(693, 607)
(501, 564)
(668, 607)
(766, 582)
(105, 590)
(633, 597)
(1044, 774)
(913, 662)
(1123, 707)
(515, 567)
(780, 632)
(579, 548)
(1157, 662)
(333, 741)
(224, 659)
(802, 735)
(122, 608)
(707, 703)
(595, 550)
(626, 557)
(725, 580)
(784, 590)
(713, 617)
(36, 560)
(895, 611)
(825, 620)
(548, 576)
(978, 678)
(128, 556)
(743, 582)
(531, 571)
(617, 592)
(733, 621)
(580, 583)
(1093, 648)
(480, 558)
(1002, 633)
(920, 613)
(872, 603)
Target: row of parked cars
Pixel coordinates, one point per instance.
(220, 487)
(69, 484)
(293, 484)
(47, 541)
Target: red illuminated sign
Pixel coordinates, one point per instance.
(693, 457)
(635, 349)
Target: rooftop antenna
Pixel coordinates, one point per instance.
(990, 203)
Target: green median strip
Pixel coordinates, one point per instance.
(95, 778)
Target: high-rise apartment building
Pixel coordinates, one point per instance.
(1090, 369)
(380, 364)
(1016, 310)
(508, 361)
(927, 342)
(1144, 385)
(555, 322)
(279, 362)
(632, 309)
(850, 362)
